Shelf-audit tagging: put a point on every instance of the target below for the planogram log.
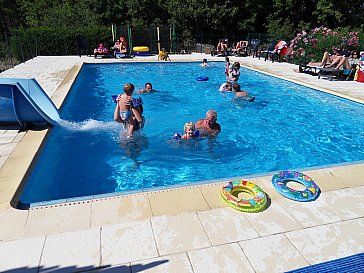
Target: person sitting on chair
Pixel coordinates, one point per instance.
(123, 45)
(241, 46)
(345, 62)
(222, 47)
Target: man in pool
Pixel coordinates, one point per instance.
(148, 88)
(125, 111)
(208, 126)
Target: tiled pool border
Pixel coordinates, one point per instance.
(58, 98)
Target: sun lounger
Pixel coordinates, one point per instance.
(331, 72)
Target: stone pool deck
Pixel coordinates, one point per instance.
(187, 229)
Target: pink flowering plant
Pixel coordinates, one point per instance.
(310, 46)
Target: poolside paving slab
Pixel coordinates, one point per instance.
(346, 203)
(310, 214)
(225, 258)
(274, 219)
(21, 255)
(177, 233)
(58, 218)
(12, 223)
(166, 264)
(127, 242)
(119, 209)
(211, 193)
(226, 225)
(329, 242)
(325, 180)
(274, 253)
(351, 175)
(174, 201)
(71, 251)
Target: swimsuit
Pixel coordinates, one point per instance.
(125, 115)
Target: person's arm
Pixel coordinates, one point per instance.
(116, 113)
(137, 115)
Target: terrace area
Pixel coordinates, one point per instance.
(189, 229)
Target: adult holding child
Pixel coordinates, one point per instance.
(128, 111)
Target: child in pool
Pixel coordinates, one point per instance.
(190, 131)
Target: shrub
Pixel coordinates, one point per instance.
(28, 43)
(310, 46)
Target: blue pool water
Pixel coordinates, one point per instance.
(287, 127)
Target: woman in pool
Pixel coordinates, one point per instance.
(204, 62)
(125, 112)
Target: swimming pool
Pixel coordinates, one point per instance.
(287, 127)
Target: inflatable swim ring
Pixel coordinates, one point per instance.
(141, 49)
(230, 191)
(202, 78)
(281, 179)
(196, 134)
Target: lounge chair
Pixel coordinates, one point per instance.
(330, 72)
(243, 51)
(253, 47)
(269, 51)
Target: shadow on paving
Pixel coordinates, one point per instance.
(91, 269)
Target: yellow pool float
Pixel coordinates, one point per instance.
(230, 192)
(141, 49)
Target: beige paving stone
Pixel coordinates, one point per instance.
(71, 251)
(325, 180)
(174, 201)
(58, 218)
(21, 255)
(273, 253)
(346, 203)
(7, 149)
(225, 258)
(177, 233)
(275, 219)
(329, 242)
(127, 242)
(3, 159)
(12, 223)
(115, 210)
(226, 225)
(351, 175)
(212, 195)
(310, 214)
(166, 264)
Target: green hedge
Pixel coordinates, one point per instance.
(42, 41)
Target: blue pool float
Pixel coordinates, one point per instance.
(196, 134)
(281, 179)
(136, 101)
(202, 78)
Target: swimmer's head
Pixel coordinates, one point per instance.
(128, 88)
(236, 65)
(204, 60)
(229, 86)
(148, 87)
(236, 87)
(189, 128)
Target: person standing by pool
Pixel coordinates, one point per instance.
(125, 112)
(208, 125)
